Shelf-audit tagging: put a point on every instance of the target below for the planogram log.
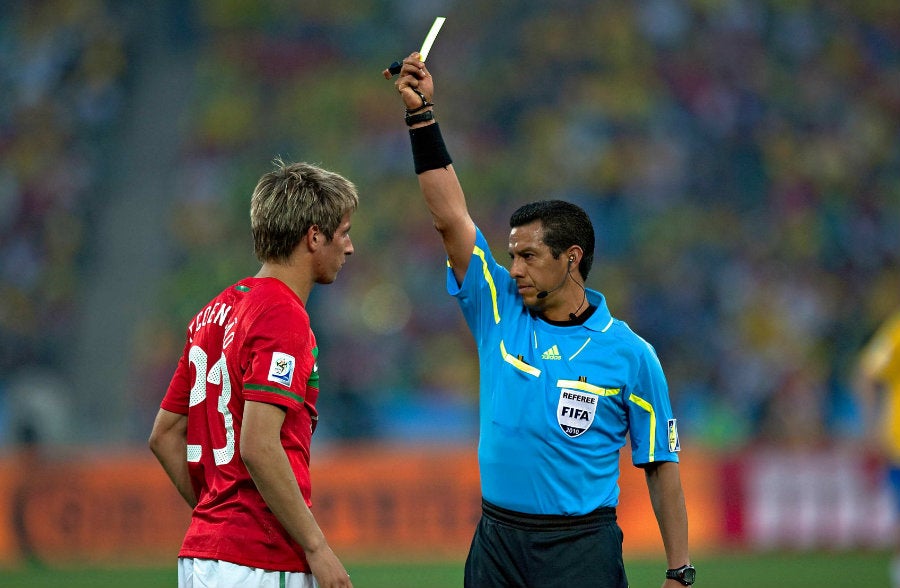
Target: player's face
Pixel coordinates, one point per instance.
(532, 264)
(333, 254)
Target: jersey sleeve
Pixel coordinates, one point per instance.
(281, 358)
(485, 291)
(652, 426)
(877, 356)
(178, 394)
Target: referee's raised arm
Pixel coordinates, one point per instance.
(437, 179)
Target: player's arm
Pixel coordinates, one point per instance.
(868, 376)
(667, 499)
(271, 471)
(439, 184)
(168, 442)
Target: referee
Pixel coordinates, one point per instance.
(563, 386)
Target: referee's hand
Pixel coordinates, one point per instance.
(415, 84)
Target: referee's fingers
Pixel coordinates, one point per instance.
(412, 65)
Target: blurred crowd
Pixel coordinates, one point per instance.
(740, 159)
(63, 74)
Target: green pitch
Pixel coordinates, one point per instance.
(783, 570)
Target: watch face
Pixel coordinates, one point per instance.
(689, 574)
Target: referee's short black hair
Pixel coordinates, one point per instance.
(565, 224)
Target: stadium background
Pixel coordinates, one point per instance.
(741, 160)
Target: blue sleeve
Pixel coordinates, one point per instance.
(652, 427)
(485, 291)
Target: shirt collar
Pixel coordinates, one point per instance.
(601, 320)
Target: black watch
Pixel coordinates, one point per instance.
(412, 119)
(685, 574)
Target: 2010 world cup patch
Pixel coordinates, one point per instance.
(281, 370)
(575, 411)
(674, 442)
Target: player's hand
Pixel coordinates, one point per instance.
(328, 569)
(414, 77)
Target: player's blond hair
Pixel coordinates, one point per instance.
(292, 198)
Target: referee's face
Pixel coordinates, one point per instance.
(537, 274)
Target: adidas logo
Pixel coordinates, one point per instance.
(552, 353)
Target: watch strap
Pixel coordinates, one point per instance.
(685, 574)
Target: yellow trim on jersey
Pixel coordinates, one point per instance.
(646, 406)
(518, 363)
(585, 387)
(490, 282)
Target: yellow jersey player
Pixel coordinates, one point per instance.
(877, 383)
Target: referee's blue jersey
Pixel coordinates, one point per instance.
(556, 402)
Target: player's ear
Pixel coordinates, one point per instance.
(313, 237)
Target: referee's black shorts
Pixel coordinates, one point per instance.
(517, 550)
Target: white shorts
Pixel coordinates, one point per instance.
(213, 573)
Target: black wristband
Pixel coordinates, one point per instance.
(412, 119)
(429, 151)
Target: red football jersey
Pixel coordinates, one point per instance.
(252, 342)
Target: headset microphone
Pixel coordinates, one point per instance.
(544, 293)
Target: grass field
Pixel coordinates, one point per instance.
(784, 570)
